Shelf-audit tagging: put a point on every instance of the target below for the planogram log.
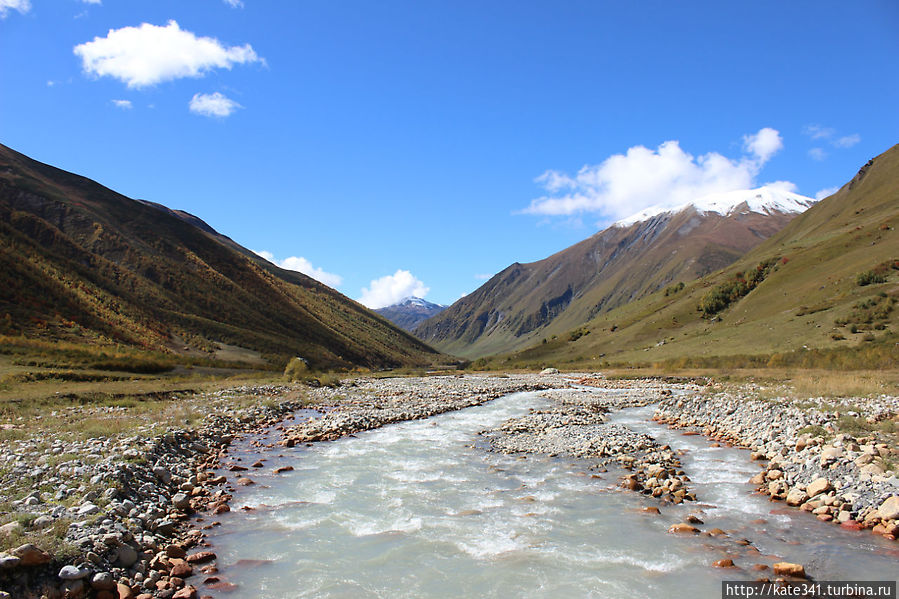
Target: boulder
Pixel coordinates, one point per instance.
(550, 371)
(127, 556)
(788, 569)
(796, 497)
(683, 528)
(73, 573)
(889, 509)
(31, 555)
(818, 486)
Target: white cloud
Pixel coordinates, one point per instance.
(234, 3)
(390, 289)
(847, 141)
(123, 104)
(828, 133)
(763, 144)
(92, 1)
(818, 132)
(150, 54)
(787, 186)
(828, 191)
(817, 154)
(213, 105)
(300, 264)
(22, 6)
(624, 184)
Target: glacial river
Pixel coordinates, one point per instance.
(420, 509)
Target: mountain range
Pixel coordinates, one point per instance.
(635, 257)
(82, 263)
(819, 292)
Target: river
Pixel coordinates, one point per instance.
(421, 509)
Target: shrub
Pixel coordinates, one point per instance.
(869, 277)
(296, 370)
(726, 293)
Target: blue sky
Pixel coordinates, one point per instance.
(393, 147)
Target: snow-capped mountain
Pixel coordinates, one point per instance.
(410, 311)
(636, 256)
(764, 200)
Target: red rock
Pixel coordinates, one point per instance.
(201, 558)
(281, 469)
(211, 579)
(124, 591)
(691, 519)
(682, 528)
(851, 525)
(221, 508)
(187, 592)
(788, 569)
(175, 551)
(717, 532)
(209, 570)
(236, 468)
(181, 570)
(144, 596)
(759, 567)
(724, 563)
(245, 482)
(651, 510)
(105, 595)
(225, 587)
(825, 517)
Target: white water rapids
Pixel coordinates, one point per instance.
(418, 509)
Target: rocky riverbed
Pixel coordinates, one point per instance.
(837, 462)
(124, 515)
(575, 426)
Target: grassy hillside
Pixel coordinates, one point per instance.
(80, 263)
(823, 290)
(528, 302)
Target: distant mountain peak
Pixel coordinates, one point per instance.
(763, 200)
(414, 300)
(410, 311)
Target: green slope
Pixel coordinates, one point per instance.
(80, 262)
(810, 298)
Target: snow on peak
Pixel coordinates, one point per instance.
(764, 200)
(413, 300)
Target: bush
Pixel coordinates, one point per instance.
(869, 277)
(296, 370)
(726, 293)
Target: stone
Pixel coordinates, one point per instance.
(244, 481)
(281, 469)
(88, 509)
(165, 528)
(73, 573)
(201, 558)
(683, 528)
(774, 474)
(188, 592)
(796, 497)
(8, 562)
(818, 486)
(181, 570)
(124, 591)
(10, 528)
(789, 569)
(31, 555)
(724, 563)
(889, 509)
(758, 479)
(550, 371)
(175, 551)
(127, 556)
(103, 581)
(181, 501)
